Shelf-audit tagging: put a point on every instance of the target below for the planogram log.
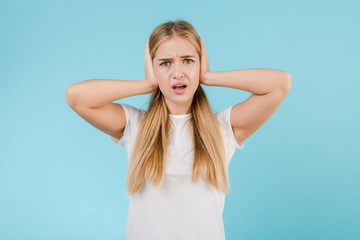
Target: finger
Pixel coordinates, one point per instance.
(147, 50)
(146, 47)
(203, 48)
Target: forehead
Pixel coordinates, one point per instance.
(175, 47)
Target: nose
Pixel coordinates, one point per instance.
(178, 73)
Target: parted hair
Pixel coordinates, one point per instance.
(148, 158)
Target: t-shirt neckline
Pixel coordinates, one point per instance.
(181, 116)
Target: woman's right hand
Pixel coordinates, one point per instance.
(149, 69)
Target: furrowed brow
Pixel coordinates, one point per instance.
(167, 59)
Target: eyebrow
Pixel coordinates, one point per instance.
(166, 59)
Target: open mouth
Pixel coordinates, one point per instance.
(179, 88)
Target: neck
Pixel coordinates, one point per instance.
(179, 109)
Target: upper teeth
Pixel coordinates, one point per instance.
(179, 85)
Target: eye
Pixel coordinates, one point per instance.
(162, 64)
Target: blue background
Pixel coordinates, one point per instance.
(297, 176)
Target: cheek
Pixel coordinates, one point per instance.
(162, 83)
(162, 79)
(194, 70)
(159, 75)
(195, 74)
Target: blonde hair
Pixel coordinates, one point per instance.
(150, 148)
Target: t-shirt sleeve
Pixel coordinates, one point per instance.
(224, 115)
(131, 115)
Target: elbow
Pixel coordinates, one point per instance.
(287, 82)
(69, 94)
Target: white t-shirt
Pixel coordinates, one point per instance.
(179, 209)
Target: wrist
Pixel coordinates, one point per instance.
(206, 78)
(150, 85)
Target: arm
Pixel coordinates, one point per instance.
(95, 93)
(255, 80)
(93, 99)
(269, 88)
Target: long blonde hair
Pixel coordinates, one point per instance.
(149, 154)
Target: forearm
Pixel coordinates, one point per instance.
(98, 92)
(254, 80)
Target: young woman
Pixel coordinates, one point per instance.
(178, 149)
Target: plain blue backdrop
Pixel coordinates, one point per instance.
(296, 178)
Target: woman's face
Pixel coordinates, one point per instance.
(175, 61)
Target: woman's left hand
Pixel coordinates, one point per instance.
(204, 68)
